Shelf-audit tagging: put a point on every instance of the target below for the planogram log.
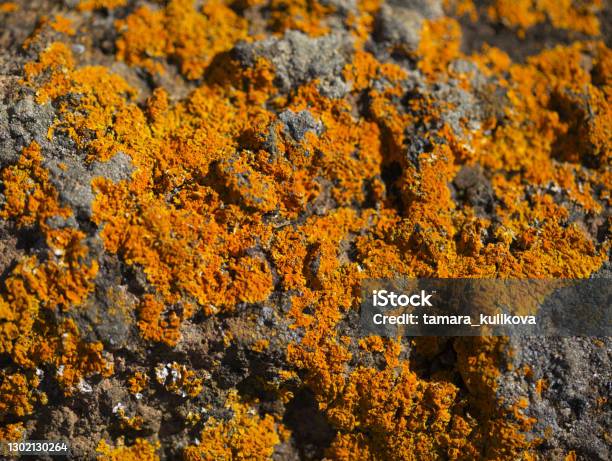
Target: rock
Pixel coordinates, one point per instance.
(21, 122)
(72, 178)
(398, 28)
(474, 188)
(298, 58)
(298, 124)
(575, 373)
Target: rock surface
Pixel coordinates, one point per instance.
(191, 194)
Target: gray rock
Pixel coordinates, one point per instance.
(430, 9)
(72, 178)
(398, 28)
(334, 87)
(466, 107)
(342, 7)
(399, 22)
(109, 313)
(73, 183)
(24, 121)
(77, 48)
(300, 123)
(473, 187)
(570, 411)
(117, 168)
(298, 58)
(21, 123)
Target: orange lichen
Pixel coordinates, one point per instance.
(178, 379)
(565, 14)
(138, 382)
(578, 16)
(395, 407)
(75, 358)
(540, 386)
(372, 343)
(62, 280)
(153, 326)
(245, 436)
(141, 450)
(16, 394)
(54, 59)
(224, 207)
(62, 25)
(179, 31)
(362, 23)
(12, 432)
(87, 5)
(460, 8)
(531, 141)
(440, 43)
(129, 423)
(30, 199)
(260, 345)
(305, 15)
(8, 7)
(522, 13)
(571, 456)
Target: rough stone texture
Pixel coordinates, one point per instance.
(473, 187)
(430, 9)
(572, 409)
(298, 124)
(21, 121)
(298, 58)
(73, 178)
(398, 27)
